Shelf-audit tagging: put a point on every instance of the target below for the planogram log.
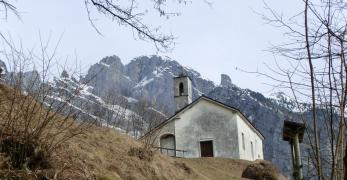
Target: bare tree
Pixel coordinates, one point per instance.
(117, 109)
(315, 72)
(8, 7)
(130, 13)
(146, 117)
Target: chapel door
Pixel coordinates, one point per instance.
(206, 148)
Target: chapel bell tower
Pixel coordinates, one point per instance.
(182, 91)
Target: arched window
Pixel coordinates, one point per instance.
(181, 89)
(168, 144)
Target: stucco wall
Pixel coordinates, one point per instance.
(168, 128)
(249, 136)
(207, 121)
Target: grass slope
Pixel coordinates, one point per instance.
(104, 154)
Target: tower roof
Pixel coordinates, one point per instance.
(183, 73)
(182, 76)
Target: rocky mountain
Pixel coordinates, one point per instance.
(111, 86)
(144, 78)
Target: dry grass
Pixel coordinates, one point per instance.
(105, 153)
(226, 169)
(218, 168)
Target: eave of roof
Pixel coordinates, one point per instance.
(211, 100)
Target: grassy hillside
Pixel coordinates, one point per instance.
(103, 153)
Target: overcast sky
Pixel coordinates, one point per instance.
(211, 40)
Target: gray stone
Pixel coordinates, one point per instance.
(225, 81)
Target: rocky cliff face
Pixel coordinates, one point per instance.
(225, 81)
(144, 78)
(108, 76)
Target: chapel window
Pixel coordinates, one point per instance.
(181, 89)
(243, 141)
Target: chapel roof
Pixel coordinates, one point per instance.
(243, 117)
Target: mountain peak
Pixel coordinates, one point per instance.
(111, 61)
(225, 81)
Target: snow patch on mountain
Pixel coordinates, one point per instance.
(104, 64)
(159, 112)
(131, 100)
(144, 82)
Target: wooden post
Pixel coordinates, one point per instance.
(308, 164)
(293, 159)
(298, 165)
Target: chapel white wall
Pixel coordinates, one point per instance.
(207, 121)
(249, 136)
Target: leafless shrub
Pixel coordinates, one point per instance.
(146, 117)
(118, 107)
(33, 123)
